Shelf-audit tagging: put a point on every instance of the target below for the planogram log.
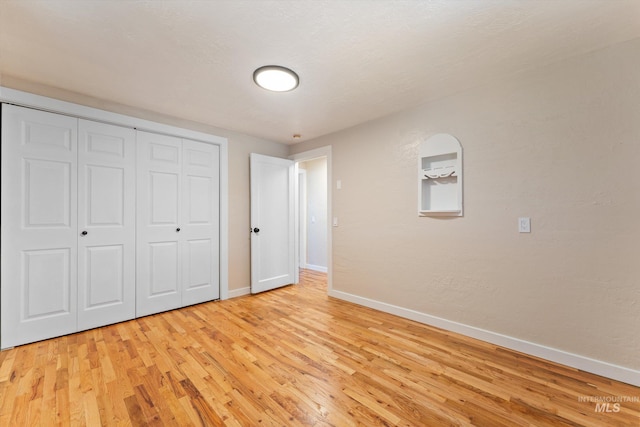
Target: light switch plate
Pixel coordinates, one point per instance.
(524, 225)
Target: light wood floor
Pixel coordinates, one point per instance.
(296, 357)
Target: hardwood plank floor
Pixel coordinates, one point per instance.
(293, 357)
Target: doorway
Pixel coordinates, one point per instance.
(314, 211)
(312, 185)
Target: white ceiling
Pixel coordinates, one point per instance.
(357, 60)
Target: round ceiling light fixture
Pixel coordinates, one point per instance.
(276, 78)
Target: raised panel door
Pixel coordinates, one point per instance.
(201, 219)
(39, 225)
(106, 222)
(159, 206)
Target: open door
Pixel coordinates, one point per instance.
(272, 222)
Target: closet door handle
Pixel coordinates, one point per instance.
(84, 233)
(178, 230)
(256, 230)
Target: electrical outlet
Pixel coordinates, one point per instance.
(524, 225)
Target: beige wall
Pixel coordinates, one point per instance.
(240, 146)
(560, 145)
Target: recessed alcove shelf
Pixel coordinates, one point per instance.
(440, 176)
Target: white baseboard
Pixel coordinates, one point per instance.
(234, 293)
(319, 268)
(608, 370)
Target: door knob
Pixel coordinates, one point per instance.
(256, 230)
(84, 233)
(178, 230)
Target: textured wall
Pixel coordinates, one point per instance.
(560, 145)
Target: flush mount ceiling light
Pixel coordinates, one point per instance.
(276, 78)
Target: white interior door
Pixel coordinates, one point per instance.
(272, 222)
(39, 225)
(106, 224)
(159, 185)
(201, 222)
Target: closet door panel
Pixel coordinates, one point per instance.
(39, 231)
(47, 185)
(45, 284)
(198, 270)
(105, 195)
(163, 269)
(163, 199)
(106, 221)
(159, 232)
(104, 279)
(201, 197)
(199, 194)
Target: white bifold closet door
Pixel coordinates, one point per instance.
(106, 224)
(39, 226)
(178, 223)
(62, 177)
